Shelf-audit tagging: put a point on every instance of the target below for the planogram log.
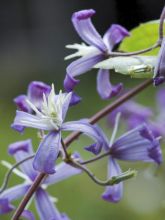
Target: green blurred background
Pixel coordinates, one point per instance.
(33, 37)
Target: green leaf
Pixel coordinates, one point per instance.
(143, 36)
(135, 66)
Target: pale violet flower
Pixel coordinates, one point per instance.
(51, 118)
(97, 49)
(138, 144)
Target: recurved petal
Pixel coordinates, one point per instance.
(45, 207)
(63, 171)
(84, 27)
(85, 128)
(47, 153)
(75, 99)
(79, 67)
(20, 150)
(21, 103)
(35, 92)
(139, 144)
(105, 89)
(113, 193)
(114, 35)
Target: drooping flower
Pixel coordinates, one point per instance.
(159, 71)
(97, 50)
(44, 202)
(51, 118)
(138, 144)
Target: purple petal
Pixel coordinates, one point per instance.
(138, 144)
(15, 192)
(104, 87)
(5, 206)
(114, 35)
(10, 195)
(159, 71)
(20, 150)
(47, 153)
(85, 128)
(113, 193)
(75, 99)
(160, 99)
(79, 67)
(35, 92)
(93, 148)
(63, 171)
(18, 128)
(84, 27)
(32, 121)
(46, 209)
(21, 103)
(28, 215)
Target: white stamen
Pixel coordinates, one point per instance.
(117, 119)
(82, 50)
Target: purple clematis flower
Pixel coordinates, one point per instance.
(98, 50)
(138, 144)
(51, 118)
(44, 203)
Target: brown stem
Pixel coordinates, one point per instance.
(28, 196)
(105, 111)
(75, 135)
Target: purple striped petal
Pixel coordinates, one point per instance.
(47, 153)
(114, 35)
(20, 150)
(105, 89)
(84, 27)
(46, 209)
(113, 193)
(159, 71)
(138, 144)
(79, 67)
(21, 103)
(85, 128)
(28, 215)
(35, 92)
(32, 121)
(63, 171)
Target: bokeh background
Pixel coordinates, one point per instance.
(33, 35)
